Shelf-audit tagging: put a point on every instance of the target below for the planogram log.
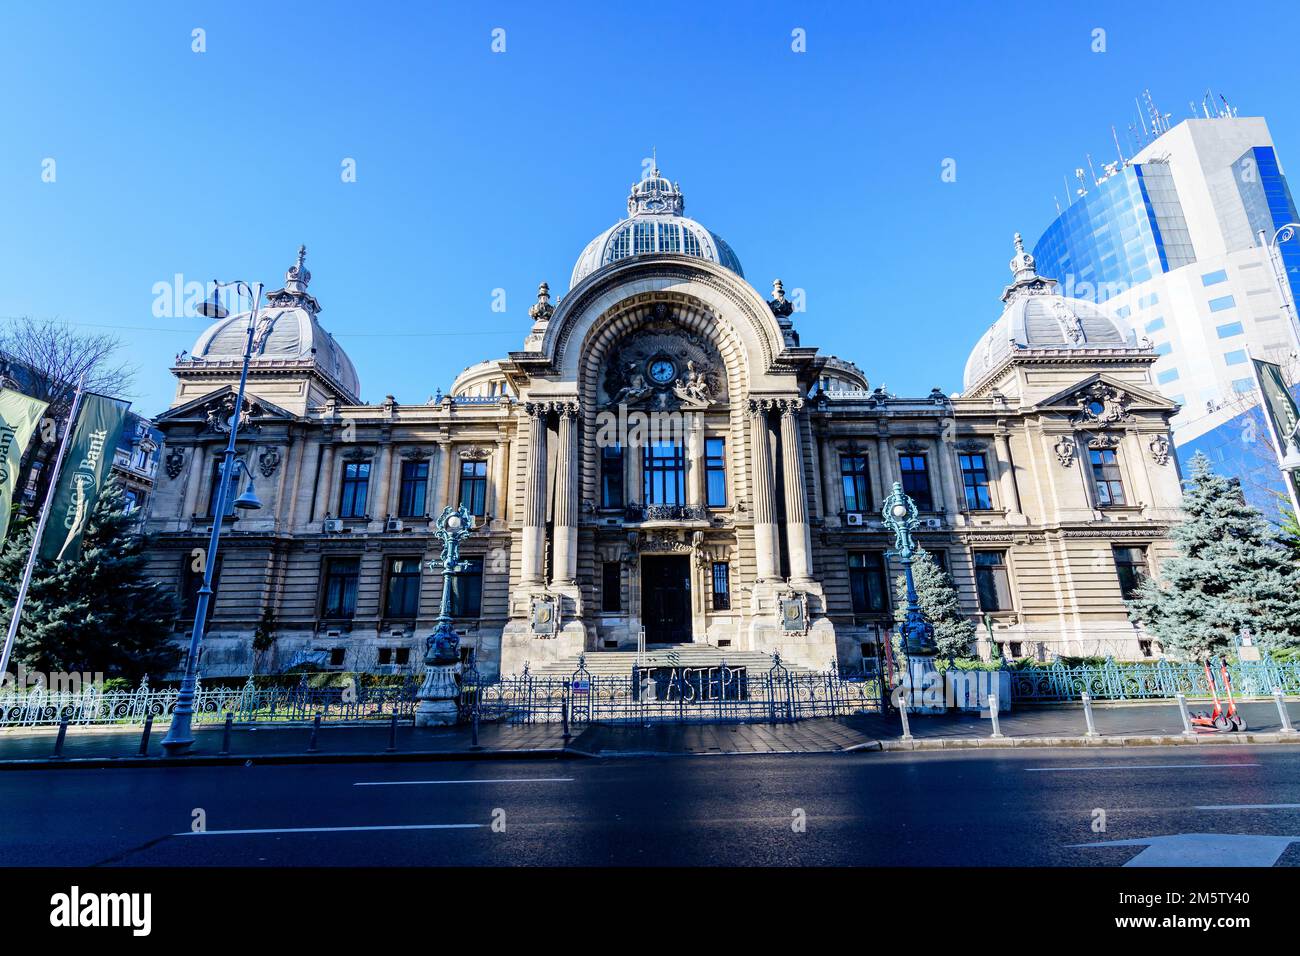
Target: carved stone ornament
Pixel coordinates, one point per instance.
(663, 366)
(971, 447)
(174, 462)
(1159, 446)
(1105, 440)
(1065, 449)
(911, 446)
(542, 310)
(781, 306)
(1101, 404)
(545, 614)
(415, 454)
(794, 613)
(219, 411)
(268, 461)
(475, 453)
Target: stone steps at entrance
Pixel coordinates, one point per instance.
(619, 663)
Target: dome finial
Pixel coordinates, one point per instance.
(297, 278)
(542, 310)
(1022, 263)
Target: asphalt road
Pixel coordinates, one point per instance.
(975, 808)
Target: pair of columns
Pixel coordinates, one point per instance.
(567, 477)
(767, 534)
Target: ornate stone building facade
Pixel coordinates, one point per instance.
(663, 454)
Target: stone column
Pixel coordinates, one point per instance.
(500, 479)
(885, 459)
(565, 570)
(832, 484)
(1137, 467)
(449, 477)
(765, 529)
(378, 507)
(798, 538)
(535, 494)
(198, 471)
(325, 484)
(693, 458)
(951, 497)
(1006, 474)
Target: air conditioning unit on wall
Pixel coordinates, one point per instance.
(393, 524)
(933, 524)
(854, 517)
(332, 526)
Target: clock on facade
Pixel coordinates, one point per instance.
(661, 371)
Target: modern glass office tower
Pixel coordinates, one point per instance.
(1169, 242)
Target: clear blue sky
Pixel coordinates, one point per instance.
(478, 171)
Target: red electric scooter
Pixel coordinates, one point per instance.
(1220, 720)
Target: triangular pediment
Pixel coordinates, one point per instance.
(198, 409)
(1068, 399)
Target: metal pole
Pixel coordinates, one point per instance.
(993, 713)
(21, 597)
(902, 712)
(392, 734)
(1182, 710)
(315, 731)
(1281, 711)
(58, 742)
(225, 735)
(1087, 714)
(180, 736)
(144, 736)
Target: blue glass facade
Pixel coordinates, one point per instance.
(1268, 203)
(1126, 230)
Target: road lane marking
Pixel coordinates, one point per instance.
(423, 783)
(404, 826)
(1149, 766)
(1252, 806)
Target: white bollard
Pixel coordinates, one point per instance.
(902, 712)
(1281, 711)
(1087, 715)
(1182, 710)
(993, 712)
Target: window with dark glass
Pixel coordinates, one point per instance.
(1131, 566)
(665, 471)
(721, 586)
(857, 482)
(414, 489)
(356, 485)
(611, 586)
(403, 598)
(467, 589)
(992, 582)
(215, 486)
(337, 656)
(611, 476)
(473, 487)
(340, 598)
(1106, 478)
(192, 580)
(916, 480)
(975, 479)
(868, 582)
(715, 472)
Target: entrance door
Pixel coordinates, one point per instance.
(666, 598)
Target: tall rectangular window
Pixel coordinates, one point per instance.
(473, 487)
(231, 493)
(916, 480)
(868, 582)
(992, 582)
(857, 482)
(715, 472)
(403, 597)
(414, 489)
(975, 479)
(340, 590)
(611, 586)
(1131, 567)
(721, 586)
(467, 589)
(356, 485)
(611, 476)
(664, 471)
(1106, 477)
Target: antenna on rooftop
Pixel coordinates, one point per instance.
(1091, 170)
(1231, 111)
(1141, 121)
(1118, 152)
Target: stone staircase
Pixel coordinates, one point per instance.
(619, 663)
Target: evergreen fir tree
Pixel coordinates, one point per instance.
(1231, 575)
(97, 614)
(953, 632)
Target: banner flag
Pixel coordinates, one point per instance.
(1281, 412)
(86, 468)
(19, 416)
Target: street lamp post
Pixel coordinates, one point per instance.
(1283, 234)
(180, 736)
(438, 692)
(917, 634)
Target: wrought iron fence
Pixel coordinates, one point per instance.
(1139, 681)
(670, 695)
(249, 704)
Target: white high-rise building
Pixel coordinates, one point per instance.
(1169, 242)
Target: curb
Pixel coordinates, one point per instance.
(214, 760)
(1135, 740)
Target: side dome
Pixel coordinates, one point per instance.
(654, 226)
(1036, 317)
(287, 333)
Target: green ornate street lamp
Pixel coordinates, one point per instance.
(438, 692)
(900, 516)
